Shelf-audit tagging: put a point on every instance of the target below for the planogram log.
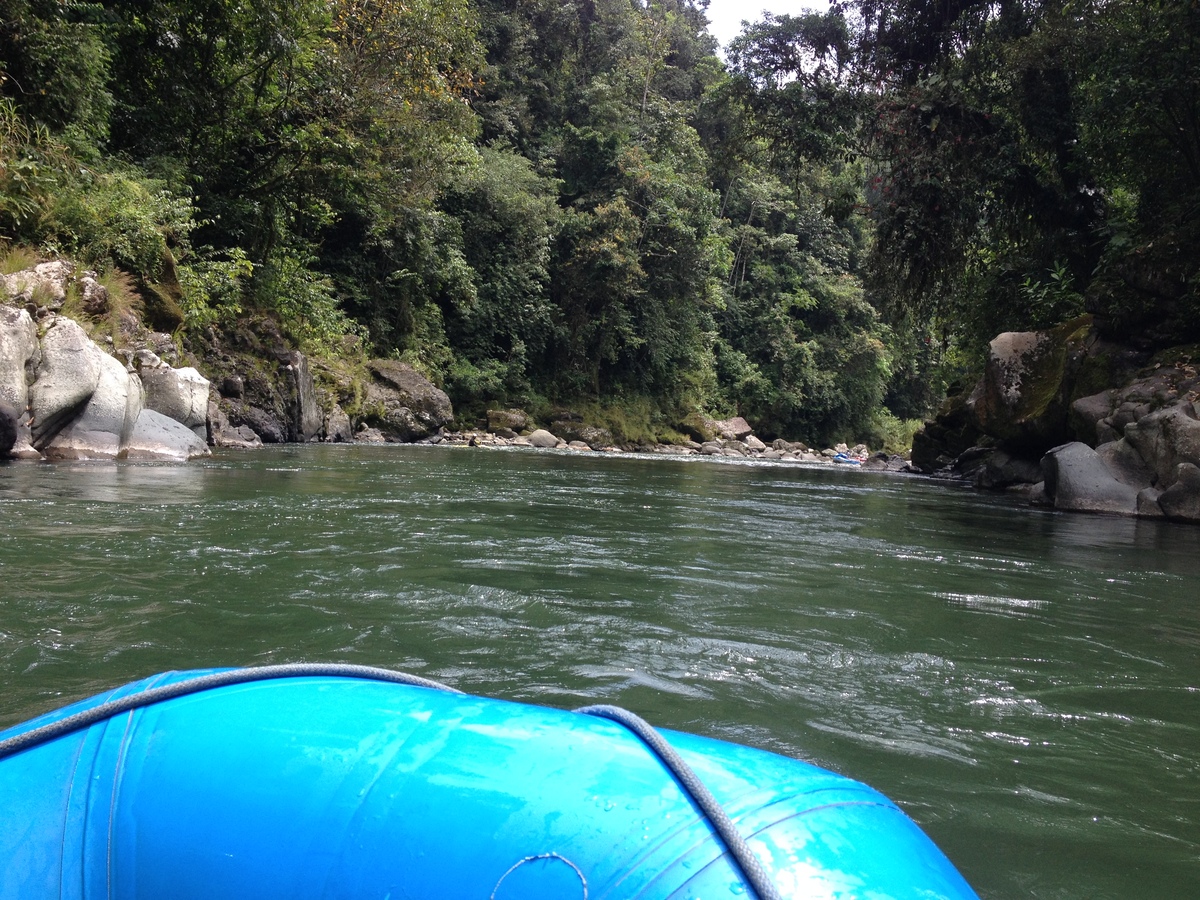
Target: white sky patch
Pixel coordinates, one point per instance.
(725, 16)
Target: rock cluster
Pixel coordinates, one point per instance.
(1031, 424)
(64, 397)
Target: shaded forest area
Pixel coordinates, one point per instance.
(547, 202)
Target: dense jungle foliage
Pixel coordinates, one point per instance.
(578, 201)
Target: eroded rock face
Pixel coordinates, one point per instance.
(407, 405)
(103, 428)
(66, 379)
(1076, 478)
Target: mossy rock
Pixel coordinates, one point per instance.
(1027, 386)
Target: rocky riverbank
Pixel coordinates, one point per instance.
(98, 384)
(1077, 423)
(1061, 416)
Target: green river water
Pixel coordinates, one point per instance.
(1026, 684)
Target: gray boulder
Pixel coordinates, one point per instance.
(338, 428)
(66, 378)
(407, 406)
(222, 433)
(156, 436)
(734, 429)
(569, 430)
(755, 444)
(1182, 499)
(179, 394)
(542, 438)
(515, 420)
(103, 428)
(1000, 470)
(1076, 478)
(1166, 438)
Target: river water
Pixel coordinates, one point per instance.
(1026, 684)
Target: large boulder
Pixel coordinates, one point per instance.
(569, 430)
(515, 420)
(734, 429)
(543, 439)
(700, 427)
(66, 378)
(1024, 396)
(1166, 438)
(103, 427)
(156, 436)
(179, 394)
(403, 404)
(1182, 499)
(1076, 478)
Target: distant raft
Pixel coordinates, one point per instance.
(345, 782)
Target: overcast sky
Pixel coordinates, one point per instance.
(726, 16)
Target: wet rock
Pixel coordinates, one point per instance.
(755, 444)
(1076, 478)
(224, 434)
(269, 428)
(1182, 499)
(156, 436)
(1147, 504)
(1126, 464)
(406, 406)
(1001, 470)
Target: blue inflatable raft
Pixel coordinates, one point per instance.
(346, 782)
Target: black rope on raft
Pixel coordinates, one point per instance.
(752, 868)
(96, 714)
